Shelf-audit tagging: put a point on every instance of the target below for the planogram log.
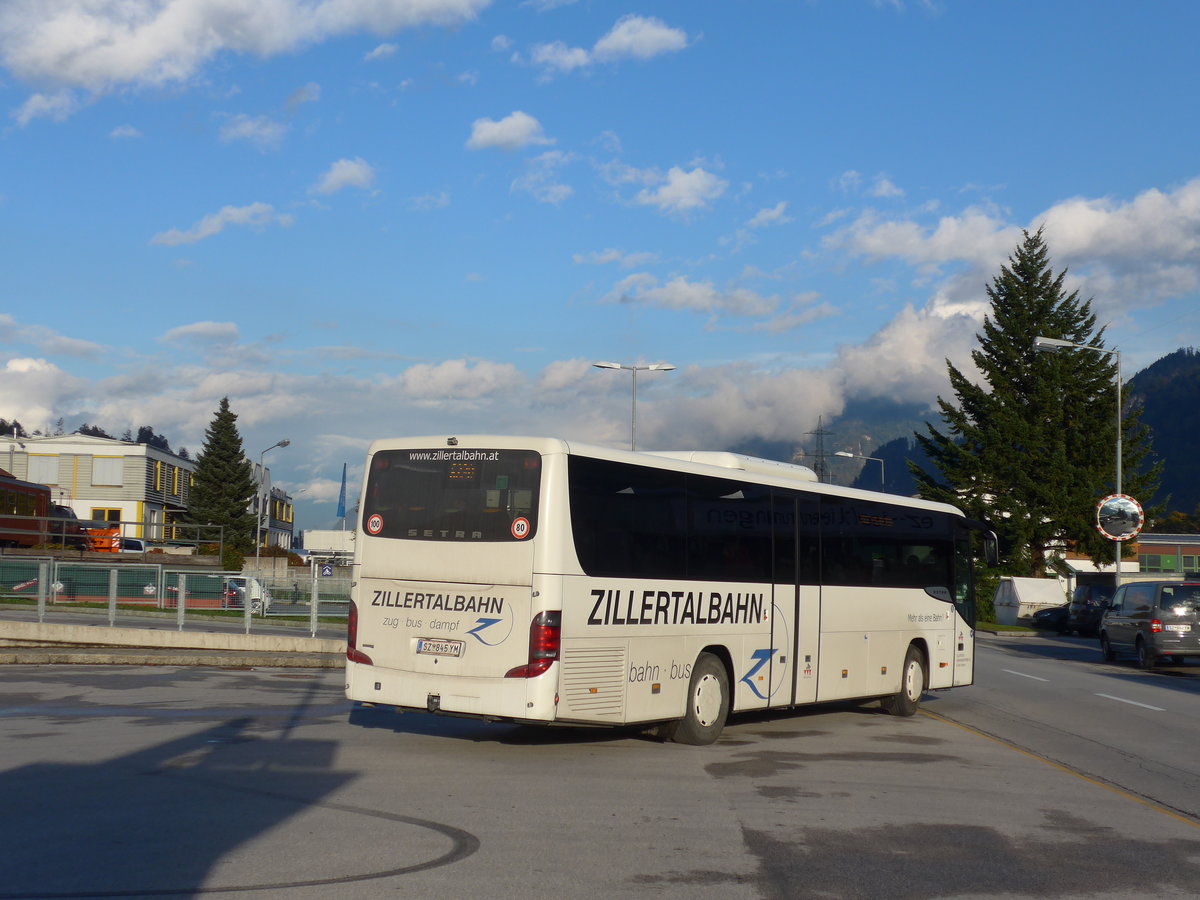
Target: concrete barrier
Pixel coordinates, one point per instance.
(35, 634)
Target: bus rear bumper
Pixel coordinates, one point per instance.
(496, 699)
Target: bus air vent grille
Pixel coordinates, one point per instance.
(593, 682)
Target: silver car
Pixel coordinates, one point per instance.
(1157, 620)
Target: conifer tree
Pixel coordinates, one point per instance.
(1031, 447)
(223, 487)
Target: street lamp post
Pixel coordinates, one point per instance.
(846, 454)
(262, 501)
(1055, 344)
(653, 367)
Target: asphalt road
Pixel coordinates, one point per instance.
(123, 782)
(1114, 722)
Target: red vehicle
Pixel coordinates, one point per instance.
(24, 507)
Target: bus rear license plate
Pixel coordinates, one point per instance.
(427, 647)
(1182, 629)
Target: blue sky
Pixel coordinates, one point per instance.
(372, 218)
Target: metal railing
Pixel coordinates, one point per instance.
(97, 536)
(129, 589)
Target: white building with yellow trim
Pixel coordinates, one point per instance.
(106, 479)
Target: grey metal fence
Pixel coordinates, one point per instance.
(190, 596)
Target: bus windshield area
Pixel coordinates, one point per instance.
(453, 495)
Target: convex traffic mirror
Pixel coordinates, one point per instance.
(1119, 517)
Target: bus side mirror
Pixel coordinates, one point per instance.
(991, 549)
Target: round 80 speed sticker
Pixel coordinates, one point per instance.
(520, 528)
(375, 524)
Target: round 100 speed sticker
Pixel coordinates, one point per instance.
(520, 528)
(375, 524)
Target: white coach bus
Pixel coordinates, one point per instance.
(542, 581)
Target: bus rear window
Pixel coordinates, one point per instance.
(453, 495)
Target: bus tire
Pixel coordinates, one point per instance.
(906, 701)
(707, 704)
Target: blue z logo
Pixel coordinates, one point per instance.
(480, 626)
(763, 657)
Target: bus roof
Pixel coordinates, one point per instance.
(708, 462)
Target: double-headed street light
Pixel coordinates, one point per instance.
(846, 454)
(1055, 344)
(262, 501)
(653, 367)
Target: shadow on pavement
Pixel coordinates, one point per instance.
(192, 816)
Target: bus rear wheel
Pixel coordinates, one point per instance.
(707, 705)
(906, 701)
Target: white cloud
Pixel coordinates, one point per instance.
(632, 37)
(47, 340)
(803, 311)
(883, 187)
(565, 375)
(429, 202)
(383, 51)
(35, 391)
(122, 132)
(99, 45)
(683, 191)
(500, 43)
(458, 379)
(905, 361)
(774, 215)
(345, 173)
(261, 131)
(57, 107)
(546, 5)
(722, 405)
(514, 131)
(693, 296)
(618, 173)
(557, 55)
(205, 332)
(975, 236)
(611, 255)
(255, 215)
(309, 93)
(639, 37)
(541, 178)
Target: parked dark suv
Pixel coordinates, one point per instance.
(1157, 620)
(1087, 607)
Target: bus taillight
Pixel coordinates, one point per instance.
(545, 635)
(353, 654)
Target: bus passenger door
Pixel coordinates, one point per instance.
(796, 613)
(963, 618)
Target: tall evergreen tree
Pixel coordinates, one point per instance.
(223, 487)
(1031, 449)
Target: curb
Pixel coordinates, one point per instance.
(110, 656)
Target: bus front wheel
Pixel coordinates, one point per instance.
(707, 705)
(912, 685)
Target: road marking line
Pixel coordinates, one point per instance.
(1023, 675)
(1121, 792)
(1131, 702)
